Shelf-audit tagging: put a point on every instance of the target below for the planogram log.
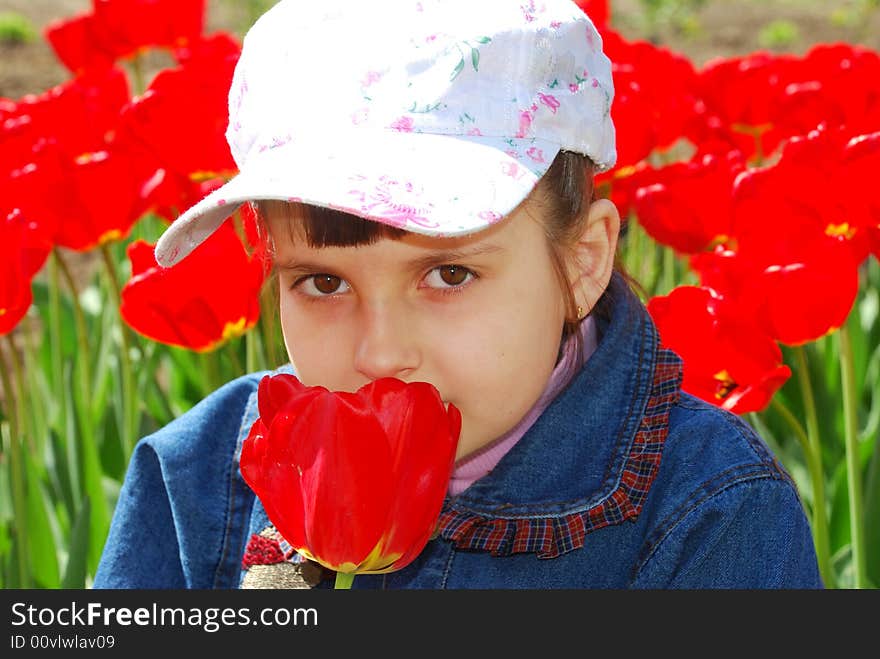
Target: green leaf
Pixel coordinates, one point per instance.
(458, 69)
(475, 58)
(66, 323)
(41, 542)
(872, 514)
(78, 551)
(838, 522)
(5, 554)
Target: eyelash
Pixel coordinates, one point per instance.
(443, 290)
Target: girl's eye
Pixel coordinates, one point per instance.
(448, 276)
(321, 285)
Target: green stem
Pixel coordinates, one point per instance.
(250, 351)
(91, 462)
(232, 351)
(853, 465)
(268, 324)
(56, 347)
(817, 474)
(137, 74)
(130, 409)
(211, 370)
(821, 535)
(16, 469)
(668, 270)
(18, 384)
(343, 580)
(39, 432)
(82, 333)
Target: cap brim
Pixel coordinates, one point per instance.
(437, 185)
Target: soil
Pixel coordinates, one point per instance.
(715, 28)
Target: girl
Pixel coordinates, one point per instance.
(423, 175)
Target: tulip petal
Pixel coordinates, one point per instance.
(424, 437)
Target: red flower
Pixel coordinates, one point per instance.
(120, 28)
(859, 165)
(797, 247)
(209, 297)
(740, 98)
(847, 77)
(23, 251)
(598, 11)
(654, 97)
(760, 100)
(78, 45)
(727, 361)
(78, 116)
(620, 185)
(181, 119)
(795, 298)
(355, 481)
(688, 205)
(83, 202)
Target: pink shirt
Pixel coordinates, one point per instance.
(481, 462)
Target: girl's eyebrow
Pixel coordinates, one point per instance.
(425, 262)
(443, 257)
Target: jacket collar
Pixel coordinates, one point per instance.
(590, 459)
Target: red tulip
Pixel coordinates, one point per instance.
(620, 185)
(355, 481)
(85, 202)
(848, 77)
(121, 28)
(181, 118)
(23, 251)
(76, 117)
(727, 361)
(598, 11)
(207, 298)
(758, 101)
(654, 96)
(798, 246)
(77, 43)
(688, 205)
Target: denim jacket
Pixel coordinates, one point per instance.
(623, 482)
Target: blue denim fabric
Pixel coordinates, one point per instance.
(721, 512)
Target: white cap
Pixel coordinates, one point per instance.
(435, 116)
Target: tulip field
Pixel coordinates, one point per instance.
(748, 185)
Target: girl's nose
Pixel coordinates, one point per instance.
(387, 346)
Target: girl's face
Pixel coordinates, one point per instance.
(480, 317)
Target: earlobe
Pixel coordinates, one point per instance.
(593, 257)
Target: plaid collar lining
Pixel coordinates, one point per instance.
(548, 537)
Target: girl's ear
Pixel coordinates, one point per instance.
(592, 258)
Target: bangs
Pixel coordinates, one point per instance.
(325, 227)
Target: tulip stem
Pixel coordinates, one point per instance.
(16, 469)
(814, 451)
(130, 420)
(92, 478)
(819, 520)
(56, 344)
(250, 352)
(268, 309)
(853, 466)
(344, 580)
(84, 356)
(137, 71)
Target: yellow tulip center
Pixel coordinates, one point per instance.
(726, 384)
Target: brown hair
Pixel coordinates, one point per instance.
(569, 191)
